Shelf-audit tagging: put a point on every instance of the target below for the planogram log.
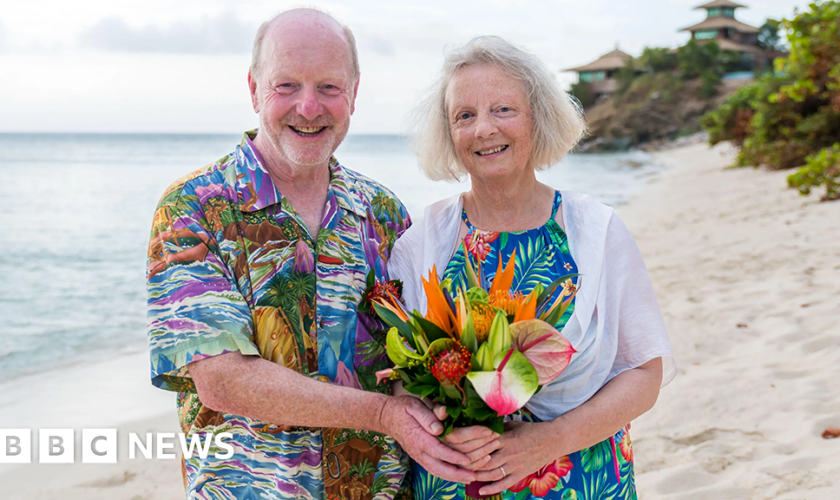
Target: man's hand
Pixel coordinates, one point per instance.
(477, 441)
(415, 427)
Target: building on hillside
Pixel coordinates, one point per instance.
(600, 73)
(730, 34)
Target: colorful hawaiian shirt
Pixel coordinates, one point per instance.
(232, 268)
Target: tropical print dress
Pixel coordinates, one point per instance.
(232, 267)
(602, 472)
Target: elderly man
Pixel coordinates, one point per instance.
(256, 264)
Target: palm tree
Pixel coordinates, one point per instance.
(384, 203)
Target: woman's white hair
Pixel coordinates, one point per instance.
(558, 122)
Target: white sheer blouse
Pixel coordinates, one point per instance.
(616, 324)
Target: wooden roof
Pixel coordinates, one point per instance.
(612, 60)
(722, 22)
(720, 3)
(725, 44)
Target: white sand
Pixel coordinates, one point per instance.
(110, 394)
(744, 416)
(742, 420)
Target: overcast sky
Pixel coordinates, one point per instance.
(166, 66)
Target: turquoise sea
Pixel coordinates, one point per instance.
(76, 209)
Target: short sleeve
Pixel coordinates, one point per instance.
(642, 335)
(194, 308)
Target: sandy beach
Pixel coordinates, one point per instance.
(748, 277)
(747, 274)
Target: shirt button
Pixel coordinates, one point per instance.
(321, 322)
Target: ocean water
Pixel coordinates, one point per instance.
(76, 210)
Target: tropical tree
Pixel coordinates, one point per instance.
(768, 35)
(792, 119)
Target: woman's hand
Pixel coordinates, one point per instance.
(523, 449)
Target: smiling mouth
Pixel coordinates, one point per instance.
(497, 149)
(307, 131)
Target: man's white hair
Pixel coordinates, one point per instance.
(256, 53)
(558, 123)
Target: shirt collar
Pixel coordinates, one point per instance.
(257, 191)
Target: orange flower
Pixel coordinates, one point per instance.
(626, 447)
(437, 308)
(507, 301)
(528, 309)
(542, 481)
(483, 315)
(504, 278)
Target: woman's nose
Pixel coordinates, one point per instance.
(484, 126)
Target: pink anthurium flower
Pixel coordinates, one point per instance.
(383, 375)
(545, 347)
(508, 387)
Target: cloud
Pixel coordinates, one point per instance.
(223, 34)
(2, 37)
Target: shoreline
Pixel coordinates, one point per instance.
(747, 273)
(747, 276)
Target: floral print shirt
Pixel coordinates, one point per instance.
(232, 268)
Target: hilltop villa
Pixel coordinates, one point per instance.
(600, 74)
(719, 26)
(730, 34)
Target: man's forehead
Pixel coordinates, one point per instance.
(305, 38)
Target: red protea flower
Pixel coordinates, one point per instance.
(383, 290)
(450, 365)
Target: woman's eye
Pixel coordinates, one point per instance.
(464, 115)
(504, 109)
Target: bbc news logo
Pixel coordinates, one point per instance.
(99, 446)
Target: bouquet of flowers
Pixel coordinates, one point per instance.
(482, 352)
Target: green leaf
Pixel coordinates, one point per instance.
(453, 411)
(394, 321)
(558, 311)
(497, 425)
(397, 350)
(478, 295)
(522, 495)
(548, 292)
(468, 333)
(452, 392)
(469, 270)
(432, 331)
(596, 457)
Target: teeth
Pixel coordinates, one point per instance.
(308, 130)
(491, 151)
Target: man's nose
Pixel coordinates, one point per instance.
(309, 107)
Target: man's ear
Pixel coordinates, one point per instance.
(252, 86)
(355, 93)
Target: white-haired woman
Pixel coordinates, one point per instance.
(497, 116)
